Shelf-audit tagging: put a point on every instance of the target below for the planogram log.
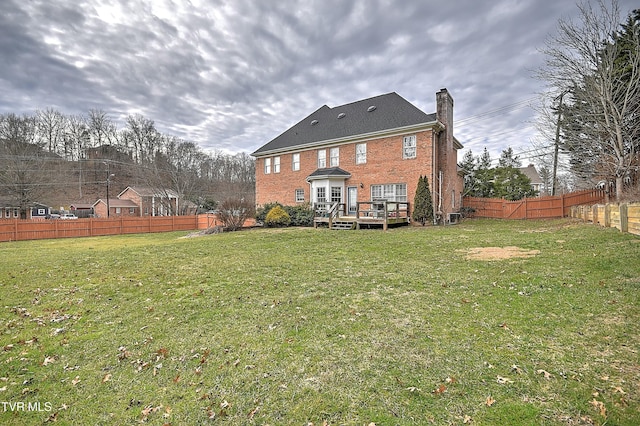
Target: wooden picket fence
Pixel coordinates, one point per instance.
(19, 229)
(532, 208)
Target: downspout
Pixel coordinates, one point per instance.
(434, 138)
(440, 194)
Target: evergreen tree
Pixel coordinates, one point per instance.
(423, 203)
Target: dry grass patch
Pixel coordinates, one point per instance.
(499, 253)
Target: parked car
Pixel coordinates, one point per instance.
(68, 216)
(53, 216)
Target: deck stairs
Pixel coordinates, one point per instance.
(343, 224)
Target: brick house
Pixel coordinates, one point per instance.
(372, 149)
(151, 202)
(117, 208)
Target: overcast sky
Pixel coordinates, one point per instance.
(232, 75)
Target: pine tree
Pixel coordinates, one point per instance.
(422, 202)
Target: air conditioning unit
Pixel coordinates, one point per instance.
(454, 218)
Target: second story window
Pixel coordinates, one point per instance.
(295, 162)
(276, 164)
(267, 166)
(361, 153)
(322, 158)
(334, 159)
(409, 147)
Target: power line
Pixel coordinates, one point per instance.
(511, 107)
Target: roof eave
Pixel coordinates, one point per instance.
(350, 139)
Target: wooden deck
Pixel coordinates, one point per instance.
(379, 213)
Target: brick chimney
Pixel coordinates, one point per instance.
(446, 164)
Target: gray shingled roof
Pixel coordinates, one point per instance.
(329, 172)
(391, 111)
(531, 172)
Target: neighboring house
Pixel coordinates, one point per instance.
(10, 210)
(372, 149)
(39, 211)
(117, 208)
(151, 202)
(82, 210)
(536, 182)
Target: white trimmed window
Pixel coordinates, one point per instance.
(389, 192)
(336, 194)
(321, 194)
(361, 153)
(267, 166)
(409, 147)
(334, 157)
(299, 195)
(276, 164)
(295, 162)
(322, 158)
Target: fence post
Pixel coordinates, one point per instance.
(562, 205)
(624, 218)
(607, 215)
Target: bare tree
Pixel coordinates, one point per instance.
(601, 78)
(50, 126)
(27, 169)
(102, 130)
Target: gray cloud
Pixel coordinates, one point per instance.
(234, 74)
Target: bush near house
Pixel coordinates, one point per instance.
(300, 215)
(277, 217)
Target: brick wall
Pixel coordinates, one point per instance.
(384, 165)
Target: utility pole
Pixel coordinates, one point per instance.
(109, 176)
(556, 147)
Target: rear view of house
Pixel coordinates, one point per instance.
(372, 149)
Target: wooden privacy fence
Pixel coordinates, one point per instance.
(18, 229)
(532, 208)
(625, 217)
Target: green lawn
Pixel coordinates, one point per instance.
(294, 326)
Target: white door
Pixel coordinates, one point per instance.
(352, 199)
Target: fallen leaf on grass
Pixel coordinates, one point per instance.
(52, 418)
(467, 420)
(75, 381)
(546, 374)
(618, 389)
(504, 380)
(253, 412)
(106, 378)
(439, 390)
(48, 360)
(490, 401)
(598, 405)
(516, 369)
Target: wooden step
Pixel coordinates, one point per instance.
(337, 225)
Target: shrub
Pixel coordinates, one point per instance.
(301, 215)
(261, 212)
(277, 217)
(234, 212)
